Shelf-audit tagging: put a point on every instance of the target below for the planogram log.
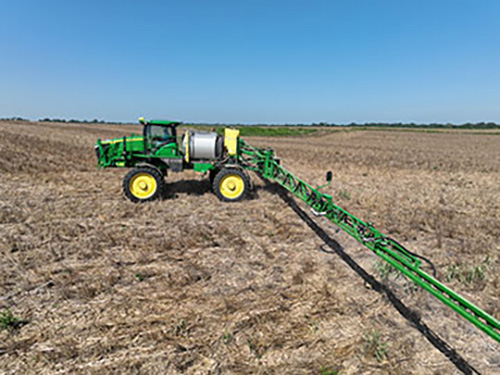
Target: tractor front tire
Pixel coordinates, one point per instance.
(143, 184)
(231, 185)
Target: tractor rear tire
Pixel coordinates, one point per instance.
(143, 184)
(231, 185)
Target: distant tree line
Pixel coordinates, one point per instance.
(94, 121)
(468, 125)
(47, 119)
(14, 119)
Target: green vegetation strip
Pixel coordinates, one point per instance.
(260, 131)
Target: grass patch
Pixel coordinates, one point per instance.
(227, 338)
(255, 349)
(344, 194)
(264, 131)
(468, 274)
(375, 347)
(181, 329)
(9, 321)
(385, 270)
(312, 324)
(329, 371)
(259, 131)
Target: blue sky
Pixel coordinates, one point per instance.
(252, 61)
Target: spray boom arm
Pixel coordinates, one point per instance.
(264, 163)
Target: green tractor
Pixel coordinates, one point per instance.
(159, 151)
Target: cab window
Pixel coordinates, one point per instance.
(161, 133)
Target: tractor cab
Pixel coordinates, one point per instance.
(160, 137)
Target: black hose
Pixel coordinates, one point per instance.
(428, 261)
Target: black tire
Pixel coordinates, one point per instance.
(211, 177)
(150, 192)
(222, 187)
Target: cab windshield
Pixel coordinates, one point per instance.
(162, 133)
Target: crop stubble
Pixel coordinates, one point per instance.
(191, 285)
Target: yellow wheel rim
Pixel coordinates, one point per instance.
(143, 185)
(232, 186)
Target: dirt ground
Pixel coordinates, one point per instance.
(190, 285)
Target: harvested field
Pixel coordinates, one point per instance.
(190, 285)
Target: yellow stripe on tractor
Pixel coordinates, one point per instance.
(187, 148)
(113, 141)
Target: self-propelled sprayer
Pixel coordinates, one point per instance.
(227, 159)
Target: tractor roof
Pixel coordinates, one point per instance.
(159, 122)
